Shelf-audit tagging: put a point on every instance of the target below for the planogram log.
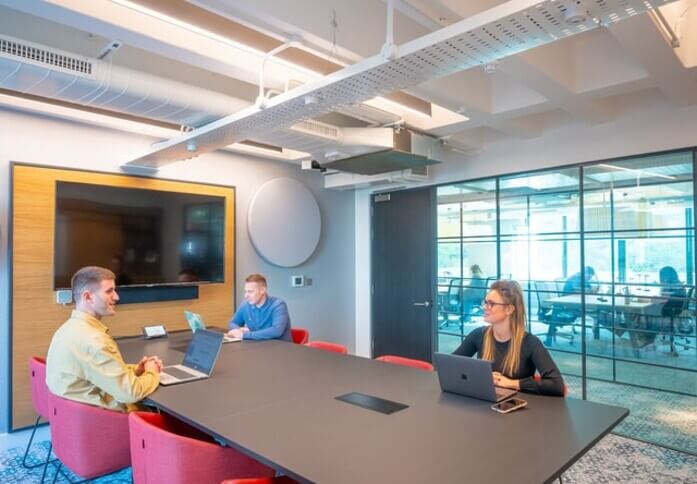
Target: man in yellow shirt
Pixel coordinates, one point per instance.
(84, 363)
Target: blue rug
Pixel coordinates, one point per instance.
(613, 460)
(12, 471)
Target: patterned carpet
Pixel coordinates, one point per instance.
(617, 459)
(614, 460)
(661, 417)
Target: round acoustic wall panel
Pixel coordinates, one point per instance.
(284, 222)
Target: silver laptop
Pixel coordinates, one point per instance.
(470, 377)
(199, 359)
(196, 322)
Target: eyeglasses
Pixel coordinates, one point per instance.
(488, 303)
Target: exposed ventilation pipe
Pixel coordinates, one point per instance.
(35, 69)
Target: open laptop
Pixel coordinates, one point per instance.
(196, 322)
(199, 359)
(470, 377)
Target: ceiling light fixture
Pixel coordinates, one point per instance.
(207, 33)
(638, 172)
(384, 100)
(129, 126)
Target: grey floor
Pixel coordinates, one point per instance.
(661, 417)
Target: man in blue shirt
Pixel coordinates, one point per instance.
(260, 316)
(573, 283)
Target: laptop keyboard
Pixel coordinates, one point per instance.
(177, 373)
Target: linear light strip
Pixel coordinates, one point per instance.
(247, 48)
(634, 170)
(129, 126)
(211, 35)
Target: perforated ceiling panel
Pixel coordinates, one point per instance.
(510, 28)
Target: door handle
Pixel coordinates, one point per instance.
(426, 304)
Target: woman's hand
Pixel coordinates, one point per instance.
(505, 382)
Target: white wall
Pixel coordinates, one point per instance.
(650, 126)
(363, 299)
(326, 307)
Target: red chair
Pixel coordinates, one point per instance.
(88, 440)
(39, 399)
(400, 360)
(300, 335)
(164, 449)
(326, 346)
(262, 480)
(538, 378)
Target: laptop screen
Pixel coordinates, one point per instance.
(203, 350)
(195, 321)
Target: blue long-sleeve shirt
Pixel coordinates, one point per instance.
(268, 321)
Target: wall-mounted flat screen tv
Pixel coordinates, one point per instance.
(146, 237)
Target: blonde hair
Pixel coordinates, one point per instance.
(258, 278)
(512, 294)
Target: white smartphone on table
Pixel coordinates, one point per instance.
(510, 405)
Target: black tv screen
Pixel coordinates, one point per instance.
(145, 237)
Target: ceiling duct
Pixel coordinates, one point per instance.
(408, 151)
(326, 143)
(351, 181)
(31, 68)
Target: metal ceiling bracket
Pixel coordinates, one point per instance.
(293, 41)
(389, 48)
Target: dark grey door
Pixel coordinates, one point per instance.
(403, 262)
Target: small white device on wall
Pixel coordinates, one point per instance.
(284, 222)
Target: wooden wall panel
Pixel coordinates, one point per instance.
(35, 314)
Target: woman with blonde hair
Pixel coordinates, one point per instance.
(514, 353)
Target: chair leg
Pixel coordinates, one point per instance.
(31, 439)
(48, 458)
(673, 349)
(58, 469)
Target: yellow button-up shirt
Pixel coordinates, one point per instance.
(85, 364)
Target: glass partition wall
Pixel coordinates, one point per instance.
(467, 229)
(605, 255)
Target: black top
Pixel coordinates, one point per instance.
(533, 356)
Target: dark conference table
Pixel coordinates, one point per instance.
(275, 401)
